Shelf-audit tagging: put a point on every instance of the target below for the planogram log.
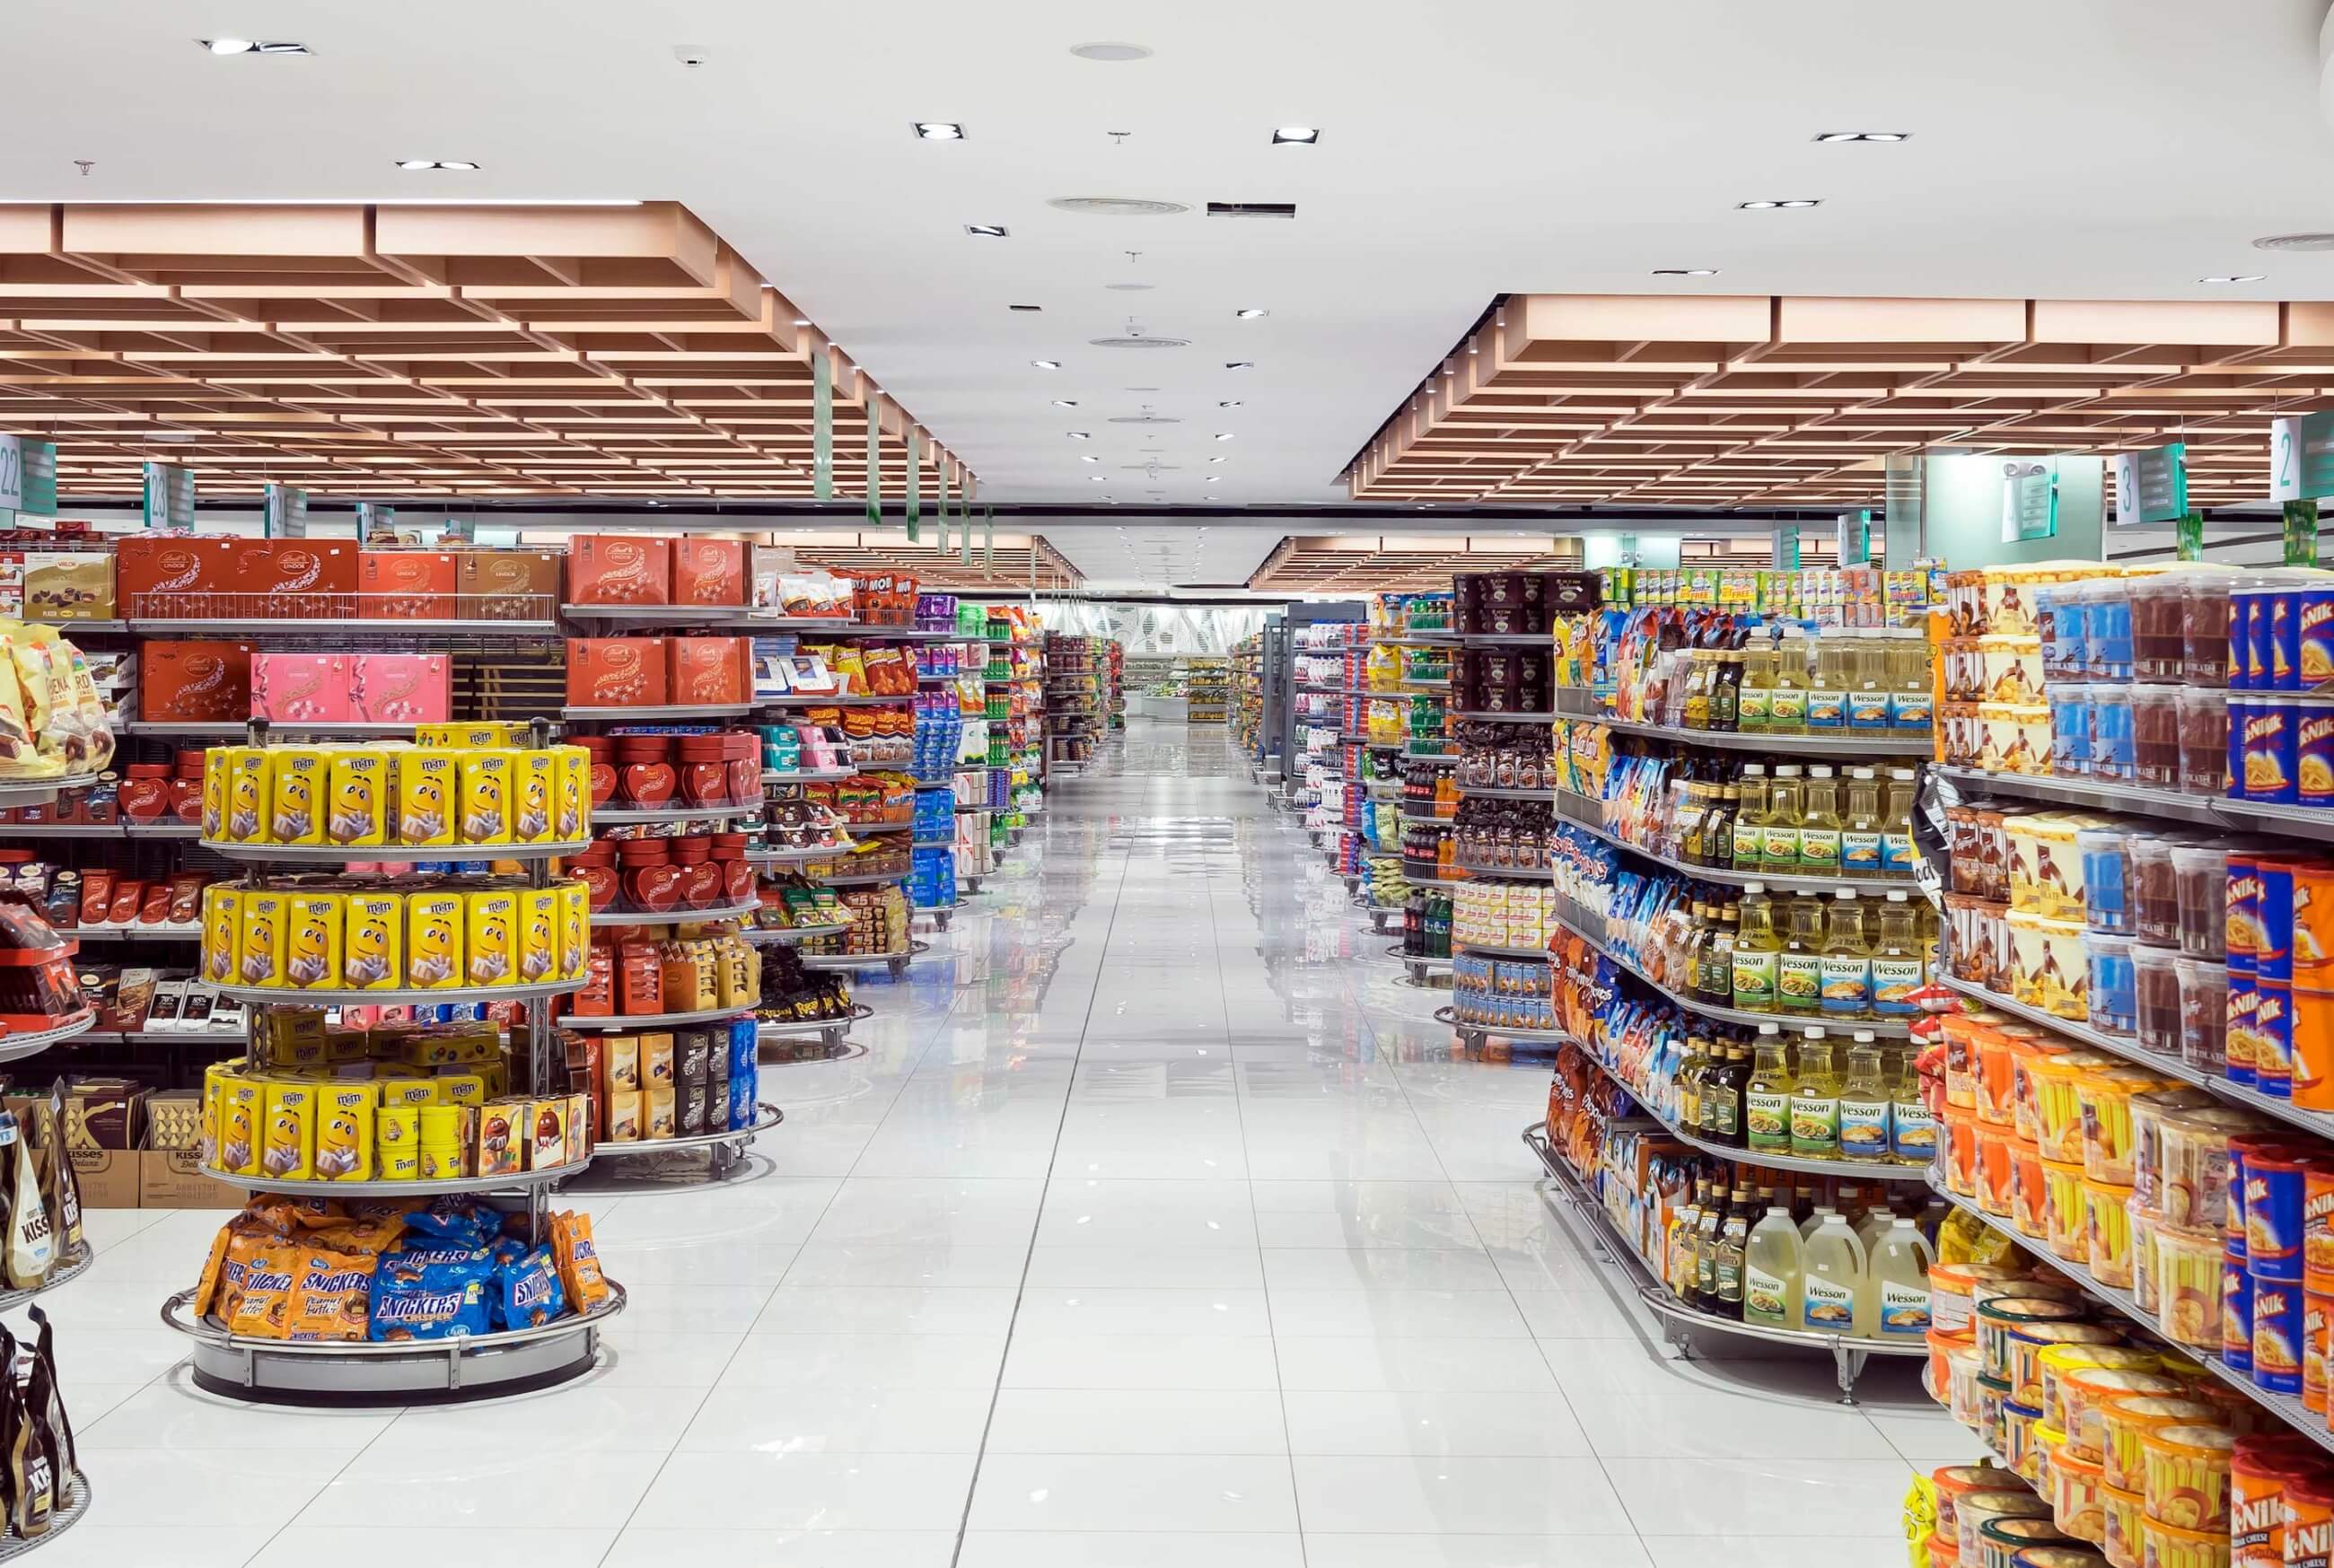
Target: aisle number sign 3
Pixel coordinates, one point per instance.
(2152, 486)
(2301, 457)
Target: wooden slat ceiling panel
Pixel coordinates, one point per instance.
(1532, 409)
(412, 351)
(1367, 563)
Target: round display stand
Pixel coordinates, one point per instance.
(727, 1147)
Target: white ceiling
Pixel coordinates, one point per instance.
(2112, 147)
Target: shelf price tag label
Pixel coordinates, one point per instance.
(2029, 502)
(2152, 486)
(2301, 533)
(2301, 457)
(170, 496)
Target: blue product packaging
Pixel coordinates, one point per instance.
(2245, 1002)
(741, 1098)
(2273, 1038)
(2113, 746)
(2114, 986)
(2236, 1315)
(2259, 660)
(2108, 632)
(2241, 707)
(528, 1293)
(2314, 641)
(2314, 750)
(2271, 750)
(2283, 613)
(427, 1309)
(2273, 927)
(2277, 1309)
(2070, 731)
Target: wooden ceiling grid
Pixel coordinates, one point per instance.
(1021, 559)
(1330, 564)
(1562, 399)
(404, 351)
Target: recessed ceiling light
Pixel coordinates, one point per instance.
(249, 46)
(447, 164)
(1031, 309)
(1215, 460)
(1763, 206)
(802, 321)
(1209, 480)
(1111, 52)
(1864, 136)
(1240, 364)
(1079, 434)
(986, 230)
(1088, 458)
(1065, 402)
(1298, 135)
(1047, 364)
(1677, 273)
(1223, 434)
(1250, 313)
(938, 130)
(1098, 478)
(1230, 403)
(2235, 278)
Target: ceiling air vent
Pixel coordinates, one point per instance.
(2295, 242)
(1116, 206)
(1140, 343)
(1251, 209)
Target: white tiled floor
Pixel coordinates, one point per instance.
(1157, 1228)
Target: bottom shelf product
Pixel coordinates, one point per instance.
(661, 1083)
(41, 1487)
(794, 995)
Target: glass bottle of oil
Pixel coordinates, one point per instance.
(1798, 967)
(1846, 960)
(1750, 818)
(1726, 692)
(1733, 1232)
(1706, 1247)
(1684, 1106)
(1767, 1098)
(1860, 824)
(1815, 1101)
(1836, 650)
(1722, 1098)
(1756, 950)
(1787, 704)
(1819, 825)
(1779, 838)
(1684, 1237)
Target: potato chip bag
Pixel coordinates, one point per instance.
(263, 1309)
(578, 1260)
(332, 1295)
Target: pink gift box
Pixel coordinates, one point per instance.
(301, 687)
(403, 688)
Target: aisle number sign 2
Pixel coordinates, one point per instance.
(2301, 457)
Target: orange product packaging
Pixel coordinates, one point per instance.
(619, 569)
(2309, 1517)
(263, 1307)
(617, 672)
(507, 585)
(578, 1261)
(294, 579)
(406, 585)
(709, 669)
(2317, 1320)
(331, 1295)
(2313, 1044)
(171, 578)
(191, 682)
(709, 571)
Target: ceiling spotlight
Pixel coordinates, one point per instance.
(447, 164)
(1088, 458)
(1065, 402)
(1240, 364)
(1079, 434)
(249, 46)
(1223, 434)
(1230, 403)
(2235, 278)
(986, 230)
(802, 321)
(1763, 206)
(1250, 313)
(1209, 480)
(1098, 478)
(1047, 364)
(1298, 135)
(938, 130)
(1864, 136)
(1677, 273)
(1111, 52)
(1215, 460)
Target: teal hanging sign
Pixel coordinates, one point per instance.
(822, 428)
(286, 512)
(2301, 457)
(170, 496)
(2030, 501)
(28, 476)
(2152, 486)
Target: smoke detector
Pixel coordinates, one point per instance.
(1116, 206)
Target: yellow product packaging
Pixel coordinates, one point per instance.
(484, 779)
(407, 1094)
(571, 793)
(445, 1142)
(299, 783)
(538, 935)
(300, 1050)
(345, 1045)
(495, 1076)
(547, 1133)
(215, 1077)
(656, 1061)
(502, 1137)
(433, 941)
(574, 929)
(493, 939)
(427, 783)
(358, 790)
(396, 1141)
(346, 1117)
(215, 771)
(624, 1116)
(657, 1112)
(535, 794)
(470, 736)
(620, 1063)
(739, 968)
(450, 1044)
(287, 1138)
(579, 1127)
(461, 1088)
(372, 951)
(260, 931)
(247, 795)
(312, 947)
(239, 1111)
(222, 927)
(690, 981)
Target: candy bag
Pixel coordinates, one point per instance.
(456, 1219)
(528, 1293)
(330, 1296)
(42, 1391)
(578, 1260)
(263, 1310)
(438, 1305)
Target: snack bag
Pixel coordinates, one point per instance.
(455, 1219)
(332, 1295)
(312, 940)
(441, 1304)
(344, 1134)
(528, 1293)
(263, 1308)
(578, 1260)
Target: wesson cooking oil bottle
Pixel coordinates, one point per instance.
(1819, 825)
(1798, 967)
(1846, 962)
(1771, 1270)
(1751, 819)
(1767, 1097)
(1865, 1098)
(1831, 1282)
(1779, 833)
(1815, 1102)
(1756, 950)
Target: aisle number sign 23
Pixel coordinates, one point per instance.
(2301, 457)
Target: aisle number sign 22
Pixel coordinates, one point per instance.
(28, 476)
(2301, 457)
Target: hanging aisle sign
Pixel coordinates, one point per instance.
(874, 464)
(1854, 546)
(2030, 501)
(2301, 457)
(915, 481)
(2301, 533)
(169, 496)
(2152, 486)
(822, 428)
(28, 476)
(286, 512)
(376, 522)
(988, 537)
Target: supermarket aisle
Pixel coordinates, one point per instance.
(1155, 1227)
